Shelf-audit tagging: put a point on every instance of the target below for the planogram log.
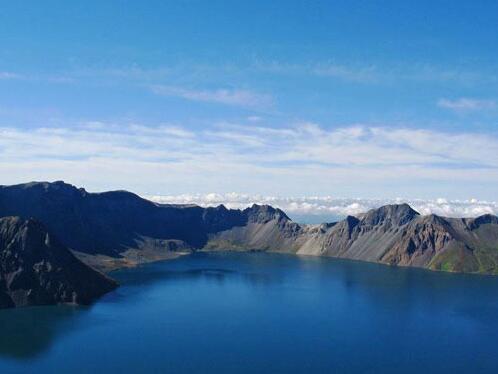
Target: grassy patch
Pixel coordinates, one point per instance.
(456, 259)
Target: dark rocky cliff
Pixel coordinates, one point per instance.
(109, 223)
(36, 269)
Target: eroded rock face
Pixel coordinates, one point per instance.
(394, 215)
(392, 234)
(420, 242)
(36, 269)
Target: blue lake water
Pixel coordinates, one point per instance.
(257, 312)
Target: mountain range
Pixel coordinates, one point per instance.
(53, 236)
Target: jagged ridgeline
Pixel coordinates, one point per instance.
(114, 229)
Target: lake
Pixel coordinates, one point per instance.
(259, 312)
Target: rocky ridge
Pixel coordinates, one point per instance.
(36, 269)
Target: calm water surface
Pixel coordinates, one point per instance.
(256, 312)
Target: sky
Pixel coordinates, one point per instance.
(340, 99)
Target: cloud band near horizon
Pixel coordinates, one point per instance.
(302, 159)
(332, 207)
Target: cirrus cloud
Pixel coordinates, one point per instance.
(237, 97)
(467, 104)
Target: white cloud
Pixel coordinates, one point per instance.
(467, 105)
(244, 98)
(301, 159)
(328, 206)
(391, 73)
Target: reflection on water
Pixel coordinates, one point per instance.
(28, 332)
(257, 312)
(153, 275)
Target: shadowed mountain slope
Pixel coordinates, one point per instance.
(120, 224)
(111, 222)
(36, 269)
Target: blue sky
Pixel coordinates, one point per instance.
(344, 98)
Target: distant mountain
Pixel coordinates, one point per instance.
(110, 223)
(36, 269)
(392, 234)
(119, 228)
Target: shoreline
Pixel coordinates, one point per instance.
(133, 258)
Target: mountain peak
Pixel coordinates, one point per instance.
(482, 220)
(43, 186)
(264, 213)
(398, 214)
